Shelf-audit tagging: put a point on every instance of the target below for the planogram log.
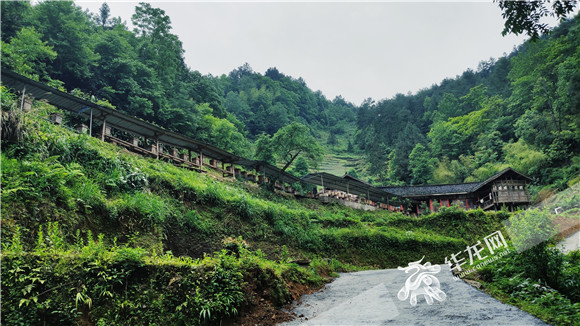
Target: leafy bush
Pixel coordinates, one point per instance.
(142, 209)
(58, 283)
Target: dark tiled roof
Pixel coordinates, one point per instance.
(448, 189)
(427, 190)
(350, 177)
(499, 174)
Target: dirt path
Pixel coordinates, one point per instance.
(370, 298)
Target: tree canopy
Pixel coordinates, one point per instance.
(525, 16)
(288, 144)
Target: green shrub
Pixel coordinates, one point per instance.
(142, 210)
(213, 196)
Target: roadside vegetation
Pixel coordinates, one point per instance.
(536, 275)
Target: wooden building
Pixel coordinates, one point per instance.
(506, 188)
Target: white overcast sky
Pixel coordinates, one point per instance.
(357, 50)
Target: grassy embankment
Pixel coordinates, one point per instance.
(95, 234)
(536, 276)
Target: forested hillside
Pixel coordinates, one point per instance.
(142, 72)
(521, 110)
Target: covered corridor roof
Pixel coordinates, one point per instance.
(113, 117)
(347, 184)
(450, 189)
(133, 125)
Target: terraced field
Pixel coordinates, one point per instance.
(339, 164)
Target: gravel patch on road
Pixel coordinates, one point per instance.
(370, 298)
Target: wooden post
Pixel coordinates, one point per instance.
(22, 99)
(264, 180)
(157, 147)
(91, 123)
(103, 129)
(431, 204)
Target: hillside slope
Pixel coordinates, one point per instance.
(521, 110)
(102, 224)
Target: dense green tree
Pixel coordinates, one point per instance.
(421, 164)
(332, 139)
(294, 141)
(15, 15)
(534, 128)
(235, 105)
(263, 149)
(26, 53)
(301, 167)
(266, 103)
(70, 32)
(221, 132)
(104, 14)
(525, 16)
(523, 158)
(442, 173)
(120, 76)
(448, 108)
(489, 147)
(158, 48)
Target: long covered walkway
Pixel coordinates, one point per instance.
(148, 139)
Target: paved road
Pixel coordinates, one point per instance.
(570, 243)
(370, 298)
